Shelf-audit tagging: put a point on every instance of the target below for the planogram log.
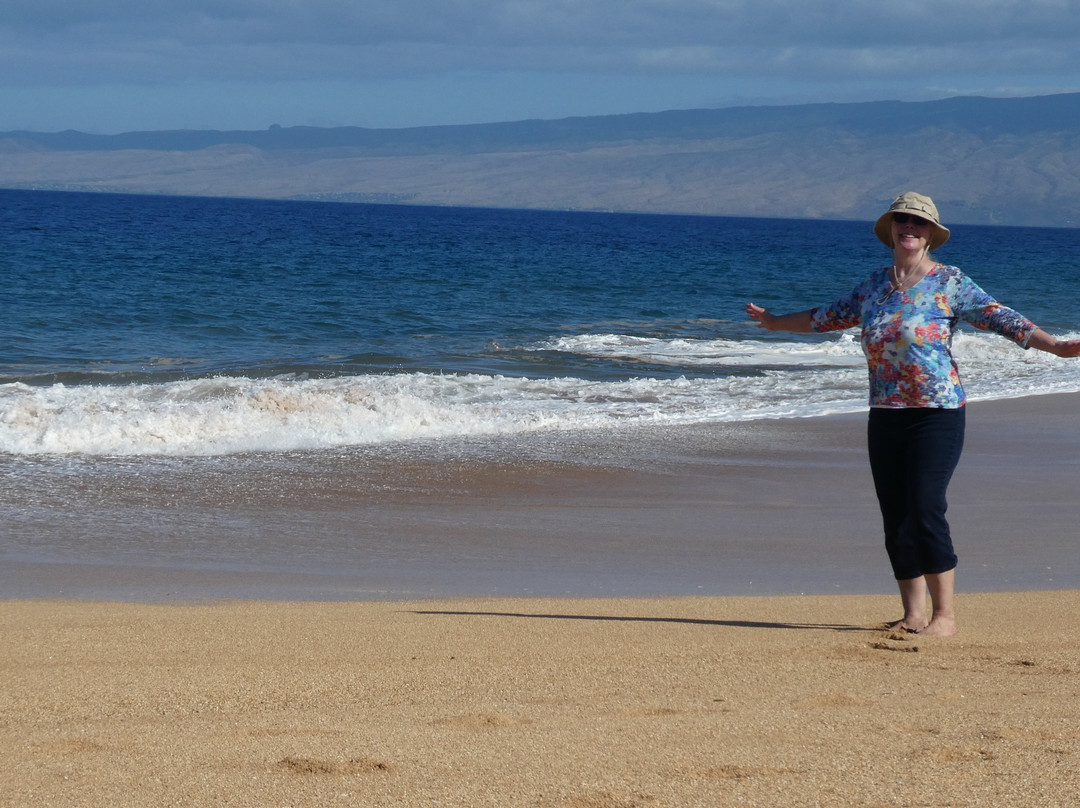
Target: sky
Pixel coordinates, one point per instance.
(111, 66)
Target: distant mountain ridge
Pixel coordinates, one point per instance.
(992, 116)
(985, 159)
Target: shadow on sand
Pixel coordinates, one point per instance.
(685, 620)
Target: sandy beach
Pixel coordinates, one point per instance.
(602, 703)
(260, 697)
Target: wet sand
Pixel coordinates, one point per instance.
(569, 703)
(783, 507)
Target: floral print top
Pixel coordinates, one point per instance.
(907, 336)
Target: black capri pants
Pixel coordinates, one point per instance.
(913, 453)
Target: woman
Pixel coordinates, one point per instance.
(908, 313)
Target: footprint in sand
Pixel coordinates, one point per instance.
(954, 754)
(837, 700)
(896, 640)
(480, 721)
(649, 712)
(313, 766)
(600, 800)
(734, 772)
(889, 645)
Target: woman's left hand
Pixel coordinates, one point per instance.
(1068, 348)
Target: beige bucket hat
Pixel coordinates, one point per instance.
(917, 205)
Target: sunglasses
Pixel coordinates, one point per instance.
(907, 218)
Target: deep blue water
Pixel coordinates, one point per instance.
(122, 291)
(118, 283)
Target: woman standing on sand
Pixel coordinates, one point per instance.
(908, 313)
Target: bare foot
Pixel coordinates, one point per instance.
(913, 624)
(939, 627)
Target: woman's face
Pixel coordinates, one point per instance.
(910, 233)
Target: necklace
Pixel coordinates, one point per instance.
(895, 284)
(894, 279)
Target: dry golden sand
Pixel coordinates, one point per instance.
(787, 701)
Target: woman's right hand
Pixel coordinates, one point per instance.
(799, 321)
(763, 316)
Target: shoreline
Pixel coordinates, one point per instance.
(552, 703)
(782, 507)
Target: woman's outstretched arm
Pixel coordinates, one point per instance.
(797, 321)
(1064, 348)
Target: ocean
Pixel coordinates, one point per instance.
(138, 326)
(147, 342)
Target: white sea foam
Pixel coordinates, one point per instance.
(840, 351)
(228, 415)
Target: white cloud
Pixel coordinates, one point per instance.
(840, 46)
(179, 37)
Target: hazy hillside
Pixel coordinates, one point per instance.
(1013, 161)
